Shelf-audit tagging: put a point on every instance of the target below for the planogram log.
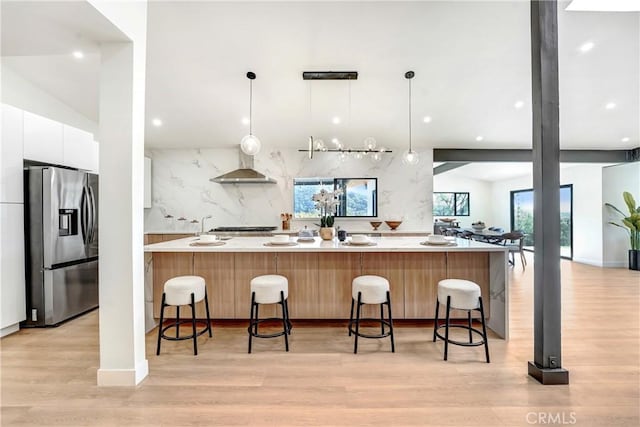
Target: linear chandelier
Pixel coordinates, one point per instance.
(370, 149)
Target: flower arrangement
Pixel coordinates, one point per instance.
(326, 202)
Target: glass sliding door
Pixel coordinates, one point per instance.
(522, 218)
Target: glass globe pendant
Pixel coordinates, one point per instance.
(410, 157)
(250, 144)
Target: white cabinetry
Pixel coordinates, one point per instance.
(48, 141)
(12, 281)
(43, 139)
(78, 149)
(11, 155)
(147, 182)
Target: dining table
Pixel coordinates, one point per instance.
(484, 234)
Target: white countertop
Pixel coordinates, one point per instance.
(382, 244)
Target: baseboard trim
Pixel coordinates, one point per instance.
(588, 262)
(8, 330)
(615, 264)
(123, 377)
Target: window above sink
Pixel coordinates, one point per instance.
(359, 197)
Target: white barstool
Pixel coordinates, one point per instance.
(460, 294)
(371, 290)
(183, 290)
(269, 289)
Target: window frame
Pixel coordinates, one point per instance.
(334, 182)
(455, 203)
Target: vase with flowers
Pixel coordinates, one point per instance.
(327, 202)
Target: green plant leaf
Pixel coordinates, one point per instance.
(629, 224)
(631, 203)
(614, 208)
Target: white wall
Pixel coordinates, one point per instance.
(21, 93)
(480, 202)
(587, 211)
(615, 180)
(181, 187)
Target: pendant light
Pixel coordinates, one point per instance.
(410, 157)
(250, 144)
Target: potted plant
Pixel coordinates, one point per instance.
(631, 224)
(326, 202)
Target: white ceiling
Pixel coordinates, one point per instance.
(500, 171)
(472, 63)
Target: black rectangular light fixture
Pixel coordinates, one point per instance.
(329, 75)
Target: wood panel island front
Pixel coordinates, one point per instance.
(320, 274)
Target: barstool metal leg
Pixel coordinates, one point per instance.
(446, 329)
(256, 318)
(289, 325)
(177, 321)
(193, 324)
(393, 344)
(470, 336)
(484, 331)
(382, 318)
(253, 303)
(435, 321)
(351, 315)
(164, 296)
(355, 345)
(284, 321)
(206, 304)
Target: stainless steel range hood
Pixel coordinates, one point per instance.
(245, 174)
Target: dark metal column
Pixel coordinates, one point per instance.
(547, 364)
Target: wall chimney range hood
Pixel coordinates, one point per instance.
(245, 174)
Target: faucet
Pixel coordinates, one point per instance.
(202, 223)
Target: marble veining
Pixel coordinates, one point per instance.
(181, 188)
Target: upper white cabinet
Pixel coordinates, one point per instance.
(43, 139)
(78, 148)
(147, 182)
(48, 141)
(11, 155)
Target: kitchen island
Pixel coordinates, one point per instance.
(320, 274)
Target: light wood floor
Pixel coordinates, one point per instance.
(48, 376)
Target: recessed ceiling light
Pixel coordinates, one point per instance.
(336, 120)
(245, 121)
(610, 105)
(479, 138)
(586, 47)
(427, 119)
(78, 54)
(519, 104)
(156, 122)
(625, 139)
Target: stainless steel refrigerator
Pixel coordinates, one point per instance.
(61, 236)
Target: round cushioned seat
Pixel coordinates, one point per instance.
(464, 293)
(373, 289)
(267, 288)
(178, 290)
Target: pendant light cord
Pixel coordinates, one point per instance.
(410, 150)
(250, 107)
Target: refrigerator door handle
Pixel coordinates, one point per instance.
(92, 216)
(83, 215)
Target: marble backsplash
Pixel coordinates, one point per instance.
(181, 188)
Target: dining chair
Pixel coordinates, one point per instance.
(514, 240)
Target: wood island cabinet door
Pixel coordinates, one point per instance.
(247, 266)
(301, 269)
(335, 273)
(389, 266)
(422, 272)
(217, 268)
(165, 266)
(472, 266)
